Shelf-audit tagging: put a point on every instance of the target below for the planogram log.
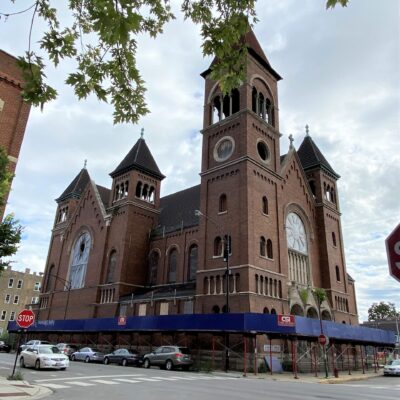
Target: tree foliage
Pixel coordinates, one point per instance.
(319, 295)
(102, 39)
(382, 310)
(5, 177)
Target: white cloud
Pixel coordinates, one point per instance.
(341, 76)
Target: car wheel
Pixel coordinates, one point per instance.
(37, 364)
(124, 362)
(106, 361)
(146, 363)
(22, 362)
(72, 358)
(168, 365)
(87, 359)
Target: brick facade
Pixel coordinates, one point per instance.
(150, 255)
(14, 112)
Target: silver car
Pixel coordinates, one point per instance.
(393, 368)
(169, 357)
(87, 354)
(43, 356)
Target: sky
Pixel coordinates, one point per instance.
(341, 76)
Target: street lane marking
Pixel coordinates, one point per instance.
(55, 386)
(88, 377)
(76, 383)
(166, 379)
(149, 379)
(127, 380)
(105, 382)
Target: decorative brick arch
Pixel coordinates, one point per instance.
(267, 87)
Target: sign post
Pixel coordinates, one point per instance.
(393, 253)
(24, 320)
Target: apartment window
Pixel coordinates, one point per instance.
(16, 299)
(19, 284)
(10, 282)
(37, 286)
(35, 300)
(7, 298)
(12, 316)
(3, 315)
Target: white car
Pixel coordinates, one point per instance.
(392, 369)
(43, 356)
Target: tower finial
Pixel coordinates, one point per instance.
(142, 133)
(291, 139)
(307, 130)
(84, 164)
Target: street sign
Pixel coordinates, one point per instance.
(323, 340)
(286, 320)
(393, 253)
(25, 318)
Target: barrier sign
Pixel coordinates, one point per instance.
(122, 321)
(286, 320)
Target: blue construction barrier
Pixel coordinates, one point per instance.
(234, 323)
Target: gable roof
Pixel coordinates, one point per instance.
(76, 187)
(178, 210)
(104, 194)
(254, 48)
(311, 157)
(140, 158)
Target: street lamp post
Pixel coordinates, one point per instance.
(226, 251)
(322, 332)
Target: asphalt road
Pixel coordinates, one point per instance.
(97, 382)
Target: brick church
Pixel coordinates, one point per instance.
(268, 223)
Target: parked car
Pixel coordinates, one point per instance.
(31, 343)
(87, 354)
(124, 357)
(43, 356)
(393, 368)
(4, 347)
(67, 348)
(169, 357)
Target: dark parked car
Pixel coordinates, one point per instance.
(67, 348)
(124, 357)
(4, 347)
(169, 357)
(87, 354)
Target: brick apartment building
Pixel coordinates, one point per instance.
(274, 219)
(14, 112)
(17, 290)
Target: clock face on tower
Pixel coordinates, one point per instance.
(224, 148)
(296, 234)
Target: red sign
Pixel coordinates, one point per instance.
(122, 321)
(393, 253)
(286, 320)
(323, 340)
(25, 318)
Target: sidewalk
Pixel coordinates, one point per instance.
(21, 390)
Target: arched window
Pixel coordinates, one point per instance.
(116, 193)
(51, 277)
(216, 110)
(216, 309)
(217, 247)
(145, 192)
(235, 101)
(153, 267)
(265, 205)
(112, 263)
(226, 106)
(193, 256)
(280, 289)
(273, 311)
(269, 249)
(151, 194)
(333, 197)
(172, 265)
(337, 273)
(138, 192)
(222, 203)
(79, 260)
(254, 100)
(263, 247)
(265, 311)
(312, 187)
(261, 106)
(334, 239)
(269, 112)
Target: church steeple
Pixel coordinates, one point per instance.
(76, 187)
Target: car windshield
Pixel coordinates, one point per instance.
(184, 350)
(395, 362)
(48, 350)
(94, 350)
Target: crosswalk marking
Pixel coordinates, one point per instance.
(127, 380)
(77, 383)
(166, 379)
(87, 377)
(149, 379)
(105, 382)
(56, 386)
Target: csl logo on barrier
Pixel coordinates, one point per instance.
(286, 320)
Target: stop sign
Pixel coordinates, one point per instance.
(323, 340)
(393, 253)
(25, 318)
